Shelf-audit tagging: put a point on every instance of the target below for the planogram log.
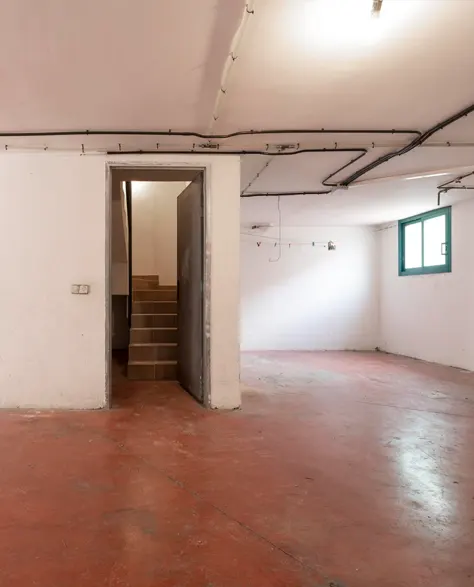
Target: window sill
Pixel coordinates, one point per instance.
(425, 271)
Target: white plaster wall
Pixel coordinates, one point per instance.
(223, 217)
(154, 229)
(430, 317)
(312, 298)
(53, 343)
(52, 346)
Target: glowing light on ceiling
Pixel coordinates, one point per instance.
(349, 24)
(376, 7)
(428, 175)
(340, 22)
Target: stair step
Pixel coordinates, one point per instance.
(146, 282)
(153, 370)
(158, 287)
(138, 335)
(154, 295)
(154, 320)
(152, 351)
(154, 307)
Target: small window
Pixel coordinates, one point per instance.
(424, 243)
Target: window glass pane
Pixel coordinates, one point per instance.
(412, 245)
(434, 235)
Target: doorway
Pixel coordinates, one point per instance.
(157, 279)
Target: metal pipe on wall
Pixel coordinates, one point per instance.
(446, 187)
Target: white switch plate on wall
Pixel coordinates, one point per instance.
(80, 289)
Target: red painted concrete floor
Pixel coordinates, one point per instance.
(346, 469)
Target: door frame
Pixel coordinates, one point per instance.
(158, 172)
(128, 206)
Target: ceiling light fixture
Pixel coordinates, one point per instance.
(350, 26)
(341, 23)
(376, 7)
(428, 175)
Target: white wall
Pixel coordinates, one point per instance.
(53, 344)
(154, 228)
(430, 317)
(312, 299)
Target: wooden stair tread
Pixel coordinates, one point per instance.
(153, 362)
(150, 360)
(153, 327)
(154, 344)
(136, 314)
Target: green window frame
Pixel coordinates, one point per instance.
(445, 246)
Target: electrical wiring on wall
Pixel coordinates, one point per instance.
(232, 57)
(454, 184)
(419, 140)
(261, 239)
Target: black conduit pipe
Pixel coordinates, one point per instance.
(259, 194)
(415, 143)
(444, 188)
(174, 133)
(447, 186)
(171, 133)
(419, 140)
(325, 181)
(361, 153)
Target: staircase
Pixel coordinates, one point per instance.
(153, 349)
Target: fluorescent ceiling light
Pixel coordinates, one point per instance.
(428, 175)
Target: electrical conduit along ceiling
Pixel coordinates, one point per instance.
(224, 67)
(372, 204)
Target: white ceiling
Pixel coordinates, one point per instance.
(158, 65)
(302, 64)
(117, 64)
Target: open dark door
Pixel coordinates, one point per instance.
(190, 288)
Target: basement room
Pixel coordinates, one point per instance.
(238, 278)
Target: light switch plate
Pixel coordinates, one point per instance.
(79, 289)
